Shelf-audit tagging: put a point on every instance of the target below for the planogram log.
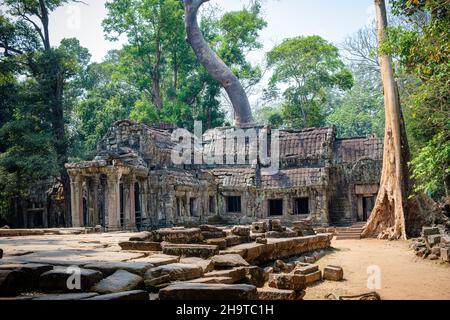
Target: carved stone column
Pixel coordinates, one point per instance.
(76, 202)
(94, 213)
(131, 203)
(113, 200)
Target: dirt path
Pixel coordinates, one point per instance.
(403, 275)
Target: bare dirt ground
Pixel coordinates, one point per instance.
(403, 275)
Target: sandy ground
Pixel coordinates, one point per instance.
(403, 275)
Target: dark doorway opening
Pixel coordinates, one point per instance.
(368, 205)
(234, 204)
(301, 206)
(85, 212)
(192, 207)
(212, 204)
(276, 207)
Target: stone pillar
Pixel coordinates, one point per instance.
(113, 200)
(76, 200)
(94, 213)
(132, 204)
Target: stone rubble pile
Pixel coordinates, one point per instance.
(206, 262)
(434, 244)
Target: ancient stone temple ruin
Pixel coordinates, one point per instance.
(133, 183)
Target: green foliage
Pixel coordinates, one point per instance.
(310, 68)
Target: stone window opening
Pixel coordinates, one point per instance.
(301, 206)
(276, 207)
(234, 204)
(212, 204)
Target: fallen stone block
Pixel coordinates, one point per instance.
(32, 270)
(13, 282)
(237, 274)
(200, 291)
(304, 228)
(281, 234)
(154, 284)
(213, 235)
(176, 272)
(428, 231)
(287, 281)
(209, 228)
(259, 227)
(445, 241)
(255, 276)
(143, 236)
(284, 267)
(159, 259)
(180, 235)
(242, 231)
(220, 242)
(436, 251)
(333, 273)
(65, 279)
(108, 268)
(119, 281)
(313, 277)
(434, 239)
(135, 295)
(228, 261)
(445, 254)
(261, 240)
(233, 240)
(433, 257)
(206, 265)
(66, 296)
(306, 269)
(140, 246)
(213, 280)
(272, 294)
(190, 250)
(275, 225)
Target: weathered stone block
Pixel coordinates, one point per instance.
(445, 254)
(255, 276)
(261, 240)
(228, 261)
(140, 246)
(214, 280)
(220, 242)
(259, 227)
(275, 225)
(66, 296)
(206, 265)
(434, 239)
(180, 235)
(213, 235)
(237, 274)
(199, 291)
(119, 281)
(57, 280)
(272, 294)
(284, 267)
(124, 296)
(306, 269)
(281, 234)
(190, 250)
(287, 281)
(242, 231)
(108, 268)
(313, 277)
(209, 228)
(143, 236)
(428, 231)
(333, 273)
(176, 272)
(13, 282)
(436, 251)
(32, 270)
(159, 259)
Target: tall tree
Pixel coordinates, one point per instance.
(309, 68)
(389, 214)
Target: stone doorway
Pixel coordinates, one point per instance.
(137, 206)
(368, 205)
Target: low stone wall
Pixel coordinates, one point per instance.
(275, 249)
(43, 232)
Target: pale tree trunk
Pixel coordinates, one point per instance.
(389, 213)
(215, 66)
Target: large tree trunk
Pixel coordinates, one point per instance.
(389, 214)
(215, 66)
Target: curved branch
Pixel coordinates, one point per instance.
(215, 66)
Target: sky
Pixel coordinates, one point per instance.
(333, 20)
